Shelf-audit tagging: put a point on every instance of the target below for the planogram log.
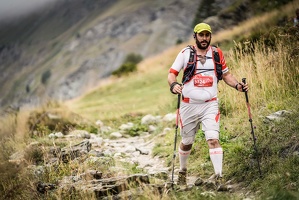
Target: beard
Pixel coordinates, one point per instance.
(200, 46)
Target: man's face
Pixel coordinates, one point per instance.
(203, 39)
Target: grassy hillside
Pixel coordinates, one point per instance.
(144, 91)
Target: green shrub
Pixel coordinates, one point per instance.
(125, 69)
(179, 41)
(136, 130)
(45, 76)
(87, 127)
(129, 65)
(134, 58)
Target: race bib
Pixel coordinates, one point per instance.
(203, 81)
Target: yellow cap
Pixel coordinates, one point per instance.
(202, 27)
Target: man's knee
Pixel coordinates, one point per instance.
(186, 143)
(213, 143)
(185, 147)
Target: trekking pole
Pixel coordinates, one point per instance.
(175, 137)
(252, 131)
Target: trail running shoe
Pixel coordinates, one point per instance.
(216, 179)
(182, 179)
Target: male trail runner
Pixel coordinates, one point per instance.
(199, 99)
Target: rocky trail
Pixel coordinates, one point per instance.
(118, 166)
(136, 151)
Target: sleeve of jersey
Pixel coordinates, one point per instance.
(223, 62)
(178, 64)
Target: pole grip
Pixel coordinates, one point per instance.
(246, 95)
(177, 111)
(179, 100)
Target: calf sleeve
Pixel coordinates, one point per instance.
(216, 156)
(183, 158)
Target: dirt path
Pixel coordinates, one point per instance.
(139, 150)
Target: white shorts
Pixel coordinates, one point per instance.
(192, 115)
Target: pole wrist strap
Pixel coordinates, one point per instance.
(237, 86)
(171, 87)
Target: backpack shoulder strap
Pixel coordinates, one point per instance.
(192, 52)
(189, 70)
(218, 65)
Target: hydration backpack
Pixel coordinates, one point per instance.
(191, 65)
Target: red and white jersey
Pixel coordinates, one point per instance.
(203, 85)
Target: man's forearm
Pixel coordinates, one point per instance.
(171, 78)
(230, 80)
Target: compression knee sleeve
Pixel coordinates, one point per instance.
(183, 158)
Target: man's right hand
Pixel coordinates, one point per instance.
(176, 88)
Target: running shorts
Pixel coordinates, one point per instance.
(192, 115)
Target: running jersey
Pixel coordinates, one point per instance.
(203, 85)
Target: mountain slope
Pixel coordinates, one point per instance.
(70, 47)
